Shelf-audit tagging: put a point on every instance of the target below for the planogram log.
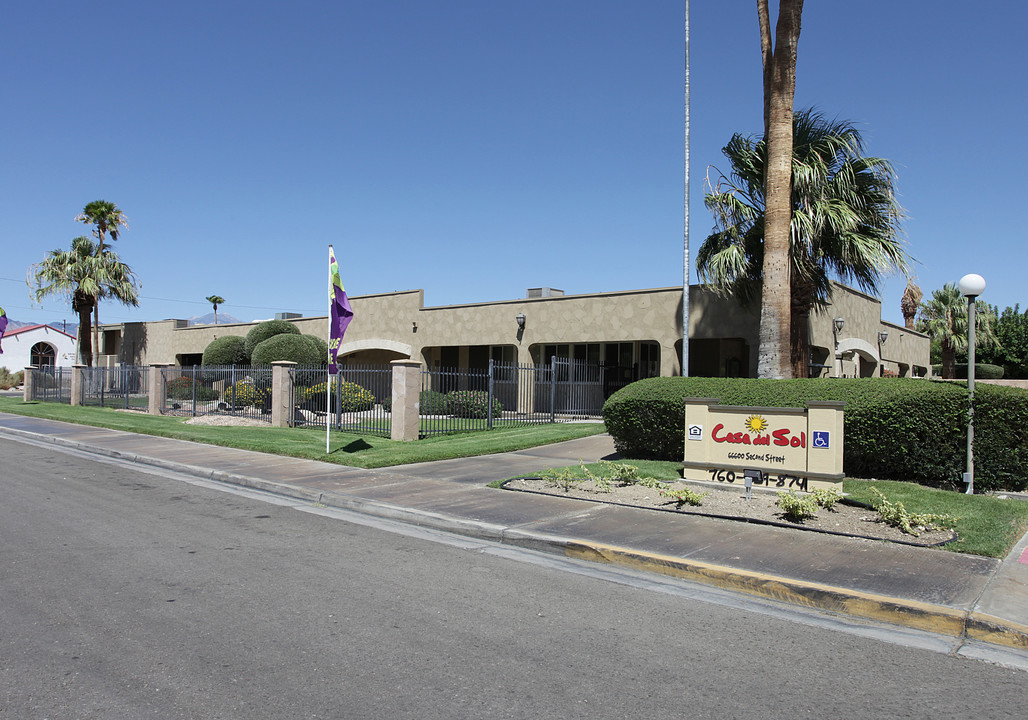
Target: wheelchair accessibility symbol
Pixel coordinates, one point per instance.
(821, 439)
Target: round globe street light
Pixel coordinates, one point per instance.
(970, 286)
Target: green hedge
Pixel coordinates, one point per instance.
(982, 371)
(896, 428)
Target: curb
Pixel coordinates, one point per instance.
(907, 613)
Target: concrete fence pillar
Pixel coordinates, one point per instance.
(157, 389)
(28, 387)
(78, 384)
(282, 410)
(406, 399)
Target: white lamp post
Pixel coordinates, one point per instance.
(971, 286)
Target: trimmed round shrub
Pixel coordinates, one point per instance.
(471, 404)
(307, 350)
(246, 393)
(182, 388)
(352, 397)
(226, 350)
(267, 329)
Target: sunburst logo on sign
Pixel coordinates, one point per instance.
(756, 423)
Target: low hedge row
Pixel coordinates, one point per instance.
(896, 429)
(982, 371)
(459, 403)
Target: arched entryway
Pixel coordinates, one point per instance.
(43, 355)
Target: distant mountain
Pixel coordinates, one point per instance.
(70, 328)
(208, 319)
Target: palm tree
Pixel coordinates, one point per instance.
(215, 300)
(779, 68)
(910, 302)
(107, 219)
(85, 277)
(845, 222)
(944, 318)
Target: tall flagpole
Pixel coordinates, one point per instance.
(328, 363)
(685, 239)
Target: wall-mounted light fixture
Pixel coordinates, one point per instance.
(838, 322)
(521, 321)
(414, 326)
(883, 336)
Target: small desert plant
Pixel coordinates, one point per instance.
(826, 497)
(620, 473)
(795, 507)
(894, 514)
(683, 496)
(9, 379)
(564, 478)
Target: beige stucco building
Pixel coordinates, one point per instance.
(634, 334)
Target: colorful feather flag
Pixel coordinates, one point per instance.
(340, 312)
(3, 326)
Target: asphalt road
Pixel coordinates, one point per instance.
(133, 595)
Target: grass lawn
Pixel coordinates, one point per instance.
(366, 451)
(985, 525)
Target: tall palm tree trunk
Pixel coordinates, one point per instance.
(82, 304)
(802, 301)
(779, 60)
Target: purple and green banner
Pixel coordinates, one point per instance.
(3, 326)
(340, 312)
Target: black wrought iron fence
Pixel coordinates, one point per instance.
(357, 400)
(232, 390)
(509, 394)
(125, 387)
(51, 384)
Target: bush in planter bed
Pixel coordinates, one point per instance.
(182, 388)
(246, 393)
(430, 402)
(352, 397)
(471, 404)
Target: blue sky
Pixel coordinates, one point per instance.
(473, 148)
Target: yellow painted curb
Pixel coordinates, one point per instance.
(996, 631)
(912, 614)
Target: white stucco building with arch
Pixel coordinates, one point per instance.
(36, 345)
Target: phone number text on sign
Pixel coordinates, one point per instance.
(781, 480)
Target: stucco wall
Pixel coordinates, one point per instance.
(397, 324)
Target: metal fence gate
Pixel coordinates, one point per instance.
(124, 387)
(51, 384)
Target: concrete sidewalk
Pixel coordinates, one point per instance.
(963, 596)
